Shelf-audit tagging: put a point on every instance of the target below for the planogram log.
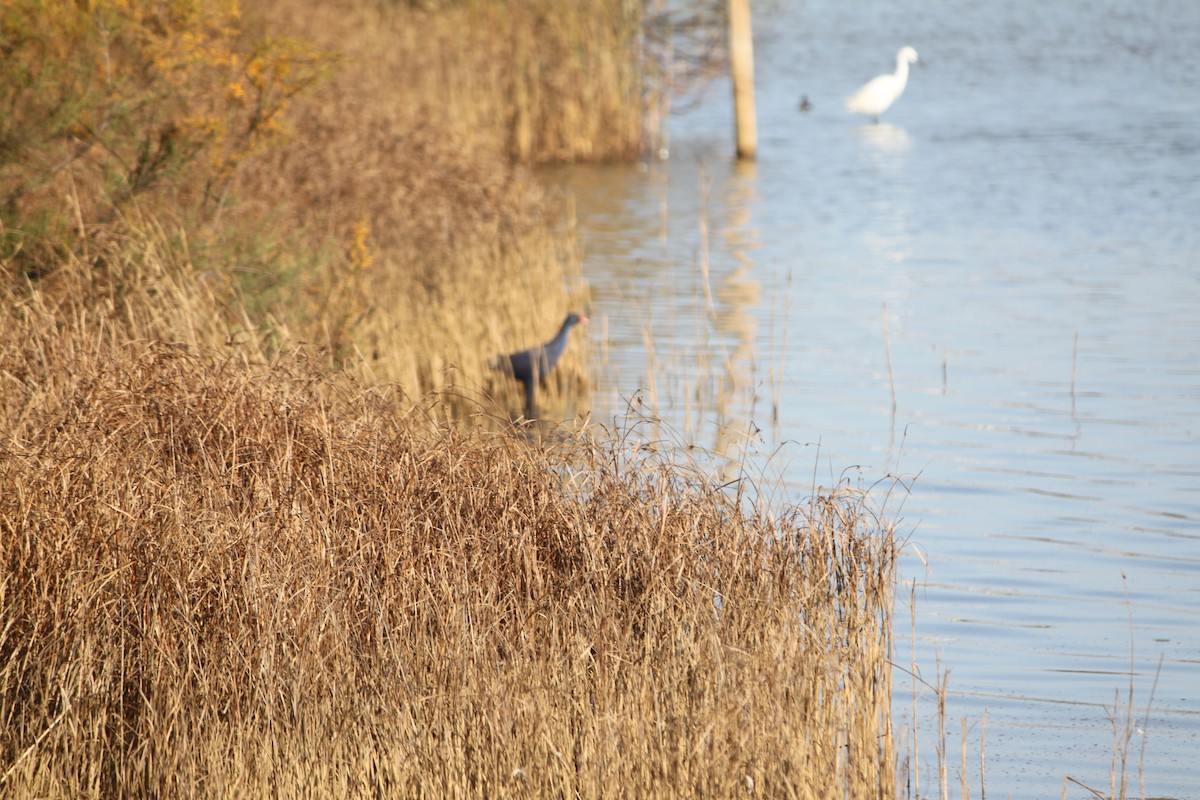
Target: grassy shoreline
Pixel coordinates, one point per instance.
(222, 577)
(264, 527)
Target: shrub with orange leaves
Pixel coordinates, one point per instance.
(109, 99)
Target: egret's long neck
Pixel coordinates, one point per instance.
(902, 71)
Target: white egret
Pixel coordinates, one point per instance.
(880, 92)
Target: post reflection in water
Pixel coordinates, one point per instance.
(680, 354)
(738, 296)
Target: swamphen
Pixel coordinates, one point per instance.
(532, 366)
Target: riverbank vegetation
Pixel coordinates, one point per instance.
(264, 527)
(225, 579)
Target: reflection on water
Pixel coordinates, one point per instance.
(733, 317)
(1013, 259)
(887, 141)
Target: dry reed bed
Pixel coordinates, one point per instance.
(356, 188)
(222, 579)
(537, 80)
(405, 143)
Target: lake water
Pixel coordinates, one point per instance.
(1020, 237)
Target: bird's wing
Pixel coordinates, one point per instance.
(874, 96)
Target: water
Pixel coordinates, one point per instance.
(1027, 220)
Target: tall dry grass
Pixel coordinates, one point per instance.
(406, 149)
(349, 165)
(538, 80)
(220, 577)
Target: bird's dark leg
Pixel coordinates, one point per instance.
(530, 400)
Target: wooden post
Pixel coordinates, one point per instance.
(741, 57)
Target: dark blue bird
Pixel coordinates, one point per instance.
(532, 366)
